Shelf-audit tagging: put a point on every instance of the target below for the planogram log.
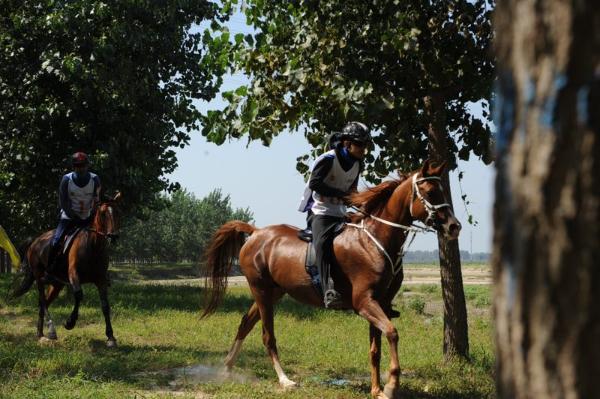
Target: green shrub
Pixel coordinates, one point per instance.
(417, 304)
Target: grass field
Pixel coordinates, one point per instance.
(160, 332)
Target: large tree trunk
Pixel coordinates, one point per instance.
(546, 244)
(456, 331)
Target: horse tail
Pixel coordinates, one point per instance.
(222, 252)
(19, 289)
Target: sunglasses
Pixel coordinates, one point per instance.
(359, 143)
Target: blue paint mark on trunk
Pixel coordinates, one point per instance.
(503, 110)
(582, 105)
(549, 105)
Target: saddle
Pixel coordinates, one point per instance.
(310, 263)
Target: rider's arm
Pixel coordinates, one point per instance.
(317, 179)
(354, 186)
(63, 197)
(97, 188)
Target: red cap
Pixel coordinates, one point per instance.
(80, 159)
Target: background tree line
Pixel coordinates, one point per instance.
(179, 231)
(434, 257)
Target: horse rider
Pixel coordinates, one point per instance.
(334, 141)
(334, 176)
(78, 193)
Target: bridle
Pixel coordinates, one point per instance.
(110, 236)
(430, 208)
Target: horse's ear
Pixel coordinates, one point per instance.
(437, 170)
(117, 197)
(425, 168)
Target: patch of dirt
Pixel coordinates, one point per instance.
(177, 378)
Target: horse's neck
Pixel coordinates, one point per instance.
(397, 210)
(94, 240)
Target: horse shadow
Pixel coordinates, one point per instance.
(153, 297)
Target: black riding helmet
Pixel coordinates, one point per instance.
(357, 132)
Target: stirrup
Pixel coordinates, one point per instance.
(333, 299)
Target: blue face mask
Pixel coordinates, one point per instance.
(345, 153)
(79, 176)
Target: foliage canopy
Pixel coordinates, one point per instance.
(114, 79)
(314, 65)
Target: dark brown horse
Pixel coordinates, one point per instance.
(85, 262)
(368, 257)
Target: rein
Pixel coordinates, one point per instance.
(102, 233)
(93, 230)
(414, 229)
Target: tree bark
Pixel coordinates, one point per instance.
(546, 260)
(456, 330)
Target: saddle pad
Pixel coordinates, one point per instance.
(69, 239)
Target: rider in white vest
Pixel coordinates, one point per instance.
(334, 175)
(79, 191)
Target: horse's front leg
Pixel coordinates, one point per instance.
(78, 295)
(372, 311)
(103, 291)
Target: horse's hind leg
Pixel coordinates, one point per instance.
(265, 299)
(246, 325)
(43, 314)
(103, 291)
(52, 294)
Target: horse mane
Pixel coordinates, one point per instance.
(374, 198)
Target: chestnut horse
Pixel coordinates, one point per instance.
(86, 262)
(368, 271)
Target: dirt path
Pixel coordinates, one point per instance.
(412, 275)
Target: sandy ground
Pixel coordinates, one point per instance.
(412, 275)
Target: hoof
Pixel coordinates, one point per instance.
(46, 341)
(286, 383)
(111, 343)
(391, 392)
(69, 325)
(52, 336)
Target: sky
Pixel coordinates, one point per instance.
(265, 179)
